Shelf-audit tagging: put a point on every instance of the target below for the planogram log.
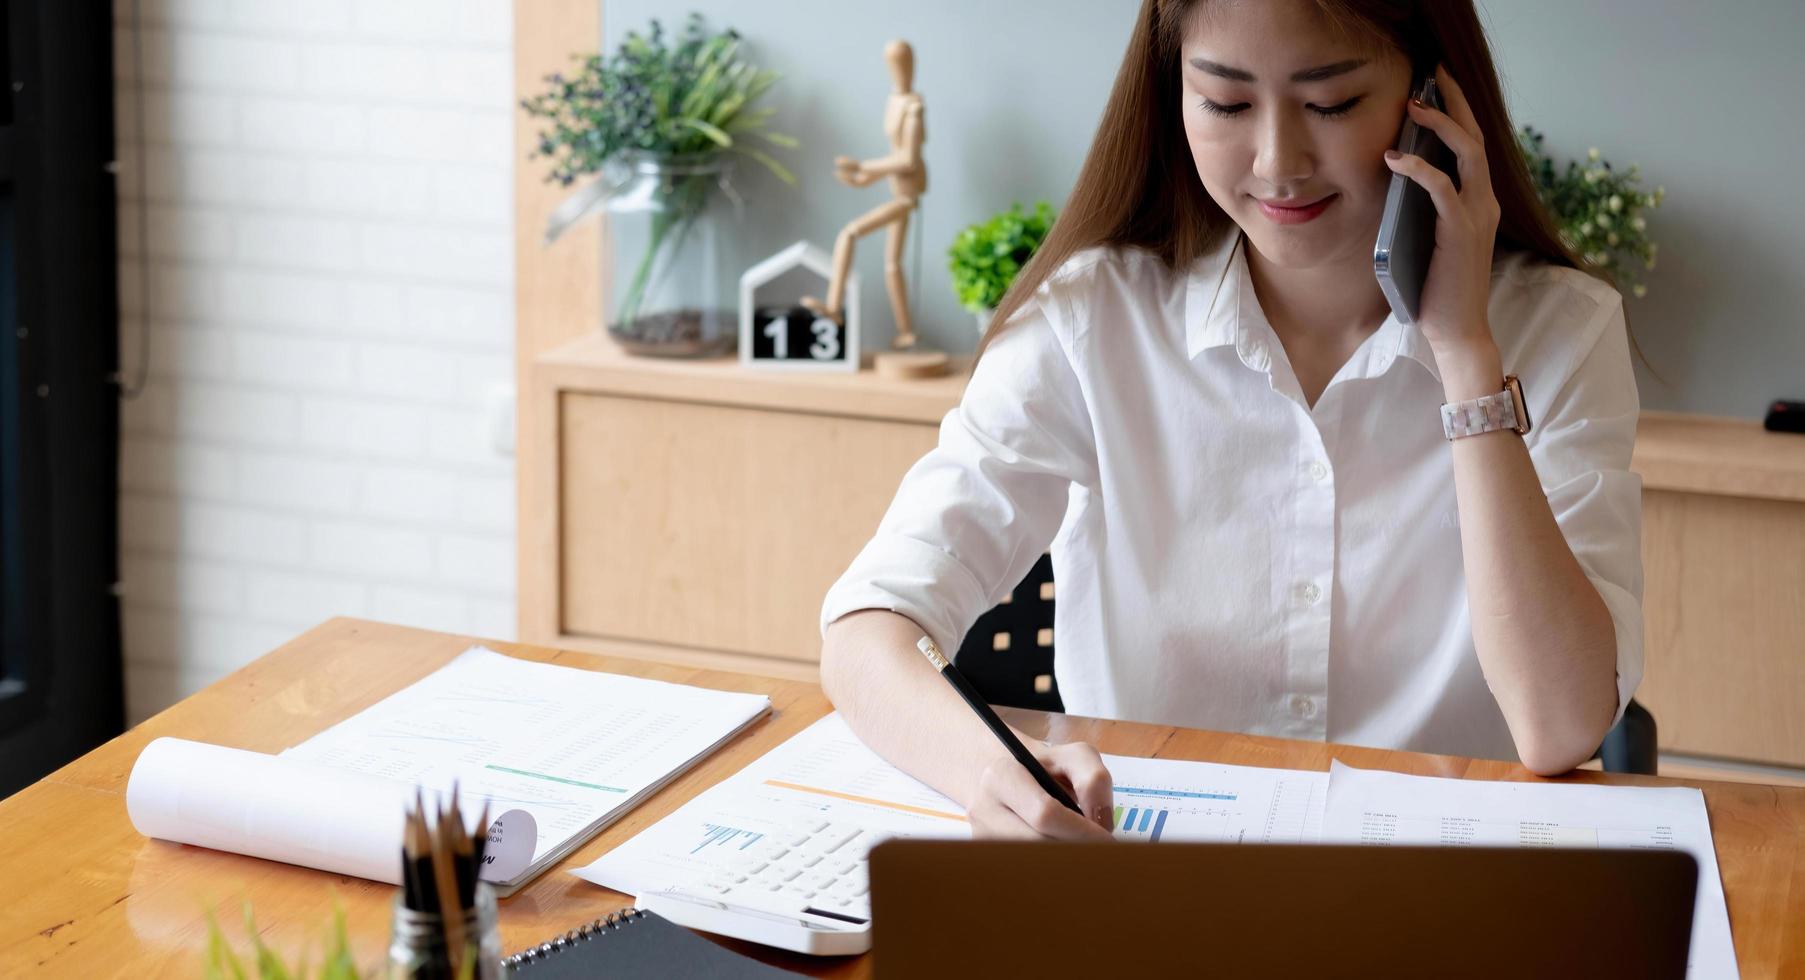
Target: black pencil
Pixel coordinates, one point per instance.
(419, 847)
(997, 728)
(480, 841)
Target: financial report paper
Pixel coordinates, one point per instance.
(1374, 807)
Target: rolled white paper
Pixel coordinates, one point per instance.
(294, 812)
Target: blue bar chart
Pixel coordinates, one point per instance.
(1172, 801)
(1141, 822)
(1151, 813)
(715, 835)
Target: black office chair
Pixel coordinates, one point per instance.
(1008, 657)
(1008, 654)
(1631, 746)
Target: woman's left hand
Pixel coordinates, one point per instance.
(1452, 313)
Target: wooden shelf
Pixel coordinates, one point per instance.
(595, 364)
(1674, 451)
(1721, 456)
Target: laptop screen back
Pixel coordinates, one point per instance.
(1110, 910)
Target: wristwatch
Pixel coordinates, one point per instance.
(1488, 413)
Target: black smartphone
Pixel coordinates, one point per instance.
(1407, 229)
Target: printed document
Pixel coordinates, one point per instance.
(572, 749)
(1373, 807)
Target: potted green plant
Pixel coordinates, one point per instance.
(985, 257)
(658, 124)
(1599, 209)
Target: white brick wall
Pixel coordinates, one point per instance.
(330, 300)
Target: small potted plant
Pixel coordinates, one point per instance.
(985, 257)
(659, 123)
(1599, 209)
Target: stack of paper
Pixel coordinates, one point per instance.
(571, 749)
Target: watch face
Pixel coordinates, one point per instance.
(1515, 387)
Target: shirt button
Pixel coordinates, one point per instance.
(1318, 472)
(1303, 707)
(1311, 594)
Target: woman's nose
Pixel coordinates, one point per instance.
(1284, 156)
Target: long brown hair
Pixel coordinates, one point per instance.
(1139, 186)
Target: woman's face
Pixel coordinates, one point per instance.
(1258, 133)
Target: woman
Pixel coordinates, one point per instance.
(1197, 394)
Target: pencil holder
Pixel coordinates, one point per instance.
(417, 940)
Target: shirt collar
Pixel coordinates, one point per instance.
(1213, 297)
(1222, 310)
(1412, 344)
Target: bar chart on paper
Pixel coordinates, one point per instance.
(1143, 812)
(729, 838)
(1166, 800)
(822, 775)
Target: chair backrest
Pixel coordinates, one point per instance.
(1632, 746)
(1008, 654)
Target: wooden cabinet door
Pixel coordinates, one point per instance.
(716, 527)
(1724, 633)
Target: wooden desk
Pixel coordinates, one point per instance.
(86, 896)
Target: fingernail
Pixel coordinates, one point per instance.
(1419, 103)
(1392, 155)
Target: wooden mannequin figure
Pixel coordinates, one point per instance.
(908, 181)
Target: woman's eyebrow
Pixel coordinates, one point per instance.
(1307, 75)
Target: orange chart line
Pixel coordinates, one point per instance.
(924, 811)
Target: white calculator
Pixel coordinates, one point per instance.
(805, 890)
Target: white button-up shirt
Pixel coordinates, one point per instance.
(1228, 556)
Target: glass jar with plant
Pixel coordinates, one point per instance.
(985, 257)
(1599, 209)
(660, 123)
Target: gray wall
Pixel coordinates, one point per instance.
(1014, 87)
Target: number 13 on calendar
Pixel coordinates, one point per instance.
(827, 339)
(778, 333)
(796, 339)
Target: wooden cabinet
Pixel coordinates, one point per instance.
(697, 511)
(1723, 558)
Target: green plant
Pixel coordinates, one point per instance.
(1599, 209)
(222, 963)
(985, 257)
(685, 99)
(652, 97)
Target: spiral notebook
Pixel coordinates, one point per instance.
(634, 943)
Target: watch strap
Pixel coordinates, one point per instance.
(1487, 413)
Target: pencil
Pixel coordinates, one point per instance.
(451, 904)
(997, 728)
(420, 857)
(480, 841)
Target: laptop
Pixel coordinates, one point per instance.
(1046, 909)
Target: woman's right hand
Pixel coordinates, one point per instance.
(1009, 803)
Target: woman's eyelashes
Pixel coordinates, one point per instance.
(1327, 112)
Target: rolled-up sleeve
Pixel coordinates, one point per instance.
(972, 516)
(1582, 455)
